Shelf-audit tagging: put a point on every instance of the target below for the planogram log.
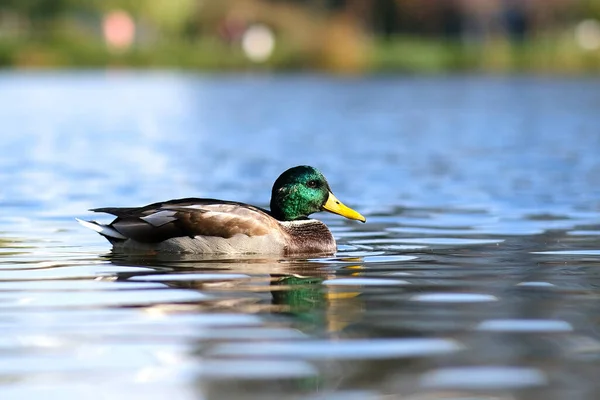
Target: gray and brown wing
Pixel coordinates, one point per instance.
(190, 217)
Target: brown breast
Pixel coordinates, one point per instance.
(308, 237)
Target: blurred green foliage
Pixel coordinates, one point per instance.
(340, 36)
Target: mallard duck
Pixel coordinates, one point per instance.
(195, 225)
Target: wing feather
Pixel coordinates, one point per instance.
(190, 217)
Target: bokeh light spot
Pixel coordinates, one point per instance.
(587, 34)
(258, 43)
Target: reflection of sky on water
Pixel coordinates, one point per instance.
(483, 142)
(478, 260)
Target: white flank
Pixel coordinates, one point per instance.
(237, 244)
(290, 224)
(101, 229)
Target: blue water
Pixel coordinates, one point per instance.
(474, 277)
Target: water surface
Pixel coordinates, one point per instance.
(476, 275)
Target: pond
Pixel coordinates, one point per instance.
(477, 274)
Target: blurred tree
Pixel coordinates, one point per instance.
(385, 18)
(168, 16)
(45, 10)
(589, 9)
(515, 20)
(37, 9)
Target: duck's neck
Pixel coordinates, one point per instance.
(309, 236)
(288, 212)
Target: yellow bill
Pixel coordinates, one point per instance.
(337, 207)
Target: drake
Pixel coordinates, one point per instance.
(195, 225)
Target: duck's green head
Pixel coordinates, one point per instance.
(303, 190)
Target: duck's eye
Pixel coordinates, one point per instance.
(312, 184)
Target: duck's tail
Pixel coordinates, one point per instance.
(105, 230)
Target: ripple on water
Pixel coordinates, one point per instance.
(453, 298)
(70, 272)
(524, 325)
(121, 319)
(390, 258)
(536, 284)
(10, 263)
(188, 277)
(477, 231)
(502, 228)
(148, 331)
(256, 369)
(367, 257)
(441, 241)
(353, 234)
(112, 298)
(166, 384)
(397, 247)
(99, 358)
(360, 253)
(371, 257)
(383, 241)
(450, 221)
(76, 285)
(346, 247)
(364, 282)
(570, 252)
(345, 395)
(433, 232)
(512, 228)
(344, 349)
(484, 377)
(584, 233)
